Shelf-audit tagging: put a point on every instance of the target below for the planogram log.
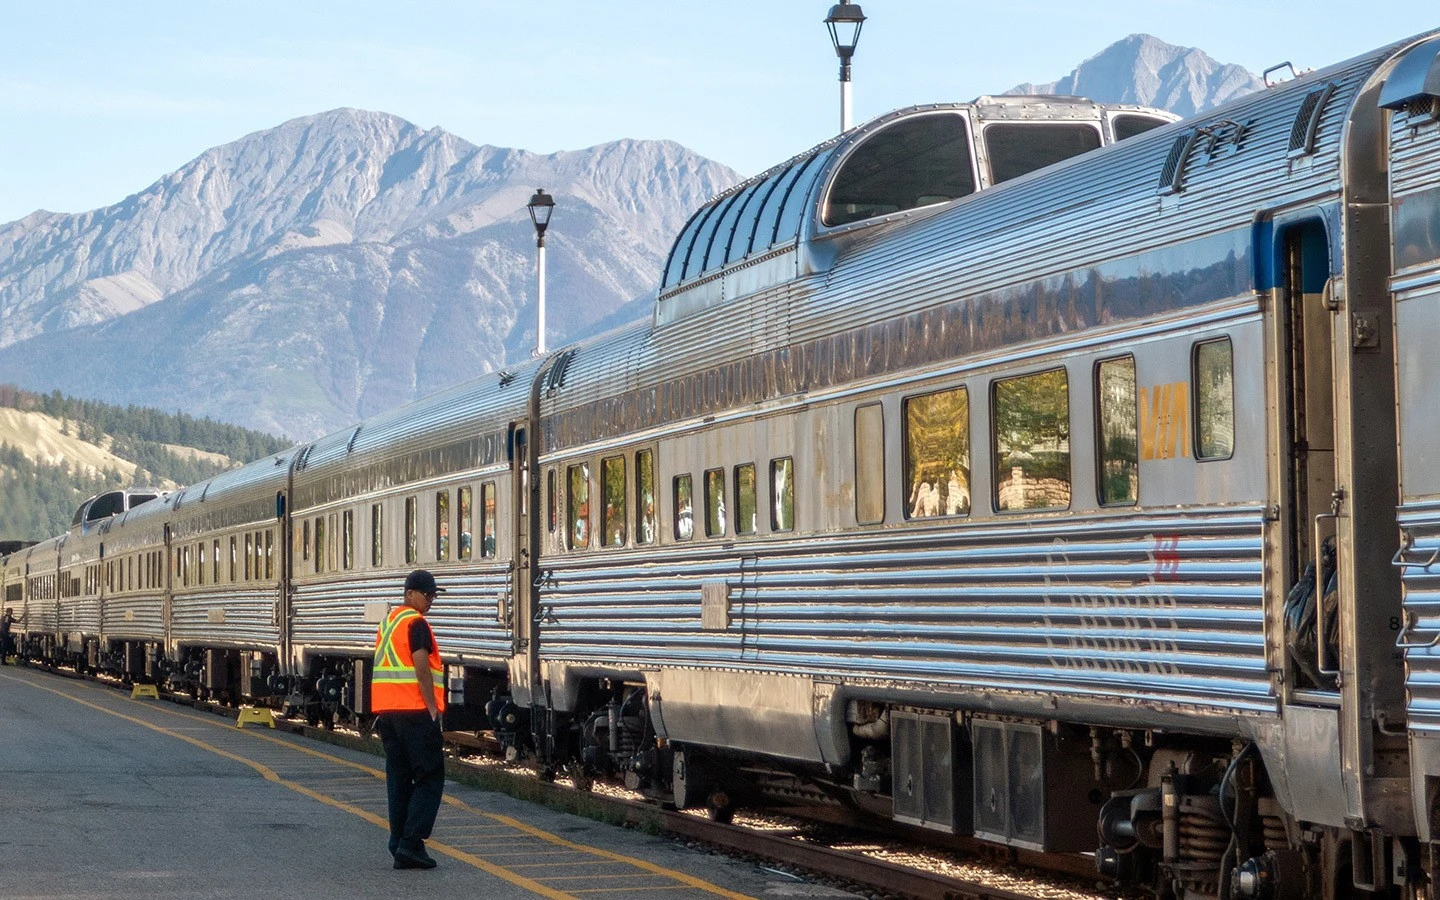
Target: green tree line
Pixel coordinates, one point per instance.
(38, 500)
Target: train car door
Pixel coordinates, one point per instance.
(525, 644)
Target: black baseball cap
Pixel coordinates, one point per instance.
(422, 581)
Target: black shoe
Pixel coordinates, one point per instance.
(421, 860)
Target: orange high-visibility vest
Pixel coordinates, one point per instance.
(394, 686)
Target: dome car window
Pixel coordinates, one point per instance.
(1019, 149)
(913, 163)
(1129, 126)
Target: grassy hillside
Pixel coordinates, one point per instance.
(55, 451)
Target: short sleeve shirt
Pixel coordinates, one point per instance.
(420, 638)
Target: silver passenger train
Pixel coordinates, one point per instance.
(1020, 469)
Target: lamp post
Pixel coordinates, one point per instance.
(844, 22)
(541, 206)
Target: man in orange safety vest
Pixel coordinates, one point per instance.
(408, 694)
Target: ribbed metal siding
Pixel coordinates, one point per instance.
(249, 619)
(147, 623)
(1422, 606)
(1092, 608)
(329, 615)
(1414, 155)
(79, 614)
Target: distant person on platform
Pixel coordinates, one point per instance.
(5, 637)
(408, 694)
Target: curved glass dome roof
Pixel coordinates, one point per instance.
(755, 215)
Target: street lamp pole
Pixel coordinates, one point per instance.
(845, 21)
(541, 206)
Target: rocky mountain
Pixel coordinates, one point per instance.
(332, 267)
(1144, 69)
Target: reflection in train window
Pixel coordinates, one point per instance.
(304, 547)
(215, 563)
(442, 526)
(913, 163)
(234, 561)
(714, 502)
(377, 532)
(613, 513)
(684, 508)
(487, 519)
(551, 516)
(269, 553)
(1018, 148)
(200, 560)
(782, 494)
(644, 497)
(250, 548)
(577, 507)
(464, 522)
(1214, 400)
(1117, 431)
(869, 464)
(319, 546)
(1031, 421)
(746, 507)
(412, 521)
(937, 454)
(347, 539)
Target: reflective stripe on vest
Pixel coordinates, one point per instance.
(394, 685)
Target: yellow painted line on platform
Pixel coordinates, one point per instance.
(688, 880)
(269, 774)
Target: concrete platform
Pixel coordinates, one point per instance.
(106, 796)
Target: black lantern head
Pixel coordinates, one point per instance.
(541, 206)
(844, 22)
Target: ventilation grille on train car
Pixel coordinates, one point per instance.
(350, 447)
(1220, 137)
(1307, 121)
(1172, 176)
(555, 375)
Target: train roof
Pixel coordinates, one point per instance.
(892, 167)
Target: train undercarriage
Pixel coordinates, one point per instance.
(1170, 815)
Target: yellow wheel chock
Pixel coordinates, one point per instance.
(144, 690)
(255, 715)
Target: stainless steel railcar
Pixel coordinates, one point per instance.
(991, 495)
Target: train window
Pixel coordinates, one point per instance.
(215, 563)
(612, 487)
(347, 539)
(200, 558)
(269, 553)
(1214, 400)
(233, 561)
(915, 162)
(1031, 436)
(487, 519)
(319, 545)
(412, 540)
(1129, 126)
(442, 526)
(937, 454)
(377, 534)
(684, 508)
(869, 464)
(304, 546)
(250, 549)
(1117, 431)
(644, 497)
(746, 510)
(1018, 148)
(185, 567)
(577, 507)
(552, 505)
(714, 502)
(465, 511)
(260, 551)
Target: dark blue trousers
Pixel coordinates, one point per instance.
(414, 776)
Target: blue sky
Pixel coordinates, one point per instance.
(99, 99)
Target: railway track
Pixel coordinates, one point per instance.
(828, 843)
